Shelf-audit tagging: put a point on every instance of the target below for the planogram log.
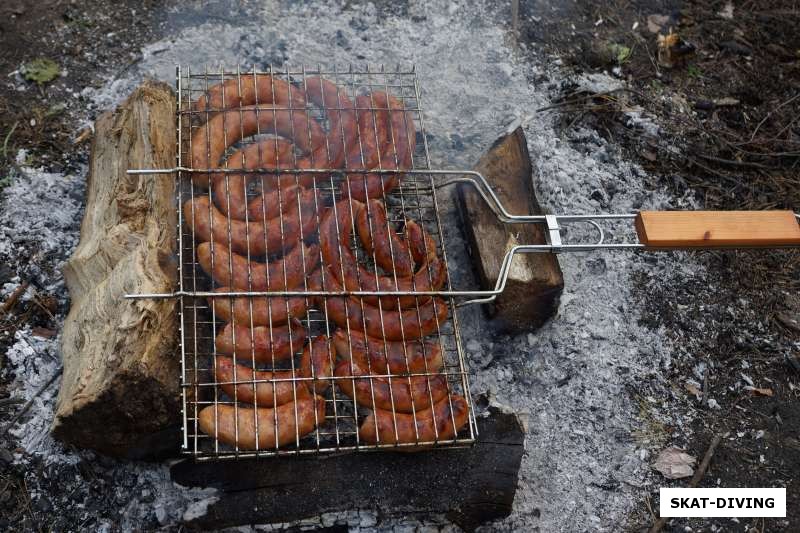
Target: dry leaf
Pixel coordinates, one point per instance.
(656, 22)
(727, 11)
(762, 392)
(693, 389)
(674, 463)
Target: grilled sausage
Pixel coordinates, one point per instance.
(390, 251)
(249, 89)
(393, 325)
(334, 236)
(237, 382)
(229, 268)
(277, 387)
(294, 419)
(438, 424)
(384, 357)
(260, 237)
(261, 343)
(401, 394)
(211, 140)
(395, 151)
(341, 116)
(260, 311)
(230, 190)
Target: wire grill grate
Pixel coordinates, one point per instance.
(413, 199)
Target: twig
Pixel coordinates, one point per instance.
(789, 101)
(8, 136)
(11, 301)
(733, 163)
(704, 403)
(29, 403)
(698, 475)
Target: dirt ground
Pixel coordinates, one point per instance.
(731, 105)
(728, 133)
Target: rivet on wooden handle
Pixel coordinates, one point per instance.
(713, 229)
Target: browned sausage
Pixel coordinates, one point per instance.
(294, 419)
(390, 251)
(334, 237)
(393, 325)
(248, 89)
(438, 424)
(383, 357)
(266, 311)
(210, 140)
(280, 386)
(229, 268)
(341, 115)
(395, 150)
(260, 237)
(237, 382)
(230, 190)
(405, 394)
(261, 343)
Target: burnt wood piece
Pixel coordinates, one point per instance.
(535, 281)
(119, 393)
(471, 486)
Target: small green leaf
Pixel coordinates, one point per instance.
(41, 70)
(620, 52)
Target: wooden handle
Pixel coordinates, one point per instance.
(715, 229)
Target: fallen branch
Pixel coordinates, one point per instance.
(698, 475)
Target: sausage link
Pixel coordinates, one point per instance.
(266, 311)
(341, 116)
(401, 394)
(395, 150)
(261, 343)
(280, 386)
(249, 89)
(230, 190)
(223, 130)
(229, 268)
(384, 357)
(438, 424)
(260, 237)
(390, 251)
(293, 419)
(317, 363)
(393, 325)
(334, 236)
(237, 382)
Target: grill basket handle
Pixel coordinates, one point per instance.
(717, 229)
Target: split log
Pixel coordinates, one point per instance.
(119, 392)
(470, 486)
(534, 281)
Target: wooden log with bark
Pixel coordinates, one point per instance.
(119, 393)
(534, 281)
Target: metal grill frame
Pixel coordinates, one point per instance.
(417, 200)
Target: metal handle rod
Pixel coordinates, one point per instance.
(554, 237)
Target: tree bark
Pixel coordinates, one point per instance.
(119, 393)
(535, 281)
